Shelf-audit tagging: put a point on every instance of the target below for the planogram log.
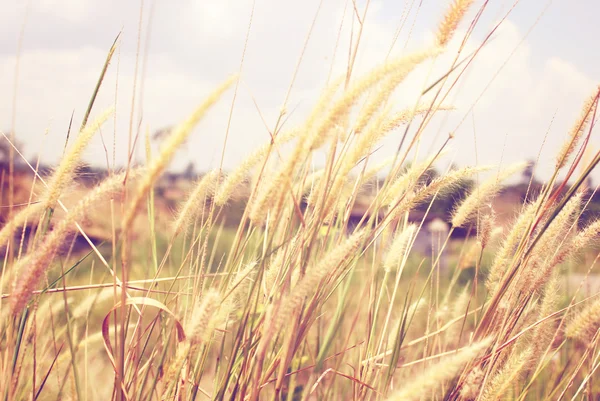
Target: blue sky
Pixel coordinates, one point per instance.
(193, 45)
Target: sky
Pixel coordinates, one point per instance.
(515, 102)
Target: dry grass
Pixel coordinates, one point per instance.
(299, 302)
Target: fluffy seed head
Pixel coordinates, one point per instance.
(399, 247)
(176, 138)
(505, 376)
(32, 268)
(65, 170)
(509, 246)
(482, 195)
(587, 113)
(436, 187)
(454, 15)
(313, 277)
(199, 328)
(196, 201)
(435, 375)
(237, 176)
(584, 326)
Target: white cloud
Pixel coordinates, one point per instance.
(194, 45)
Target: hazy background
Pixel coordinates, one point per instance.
(540, 67)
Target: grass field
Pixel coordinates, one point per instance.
(265, 283)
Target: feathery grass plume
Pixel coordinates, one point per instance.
(203, 188)
(200, 325)
(584, 326)
(63, 175)
(544, 333)
(407, 180)
(393, 70)
(342, 200)
(348, 188)
(310, 183)
(267, 197)
(286, 254)
(504, 377)
(380, 98)
(486, 228)
(481, 195)
(365, 142)
(440, 185)
(434, 376)
(61, 178)
(198, 331)
(32, 267)
(544, 257)
(579, 242)
(404, 116)
(509, 246)
(399, 247)
(172, 377)
(237, 176)
(176, 138)
(271, 192)
(237, 289)
(363, 145)
(577, 130)
(586, 236)
(328, 264)
(472, 385)
(19, 220)
(453, 16)
(320, 110)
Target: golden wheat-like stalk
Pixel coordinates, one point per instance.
(584, 326)
(407, 179)
(314, 276)
(405, 116)
(203, 188)
(32, 267)
(177, 137)
(577, 130)
(237, 176)
(504, 378)
(546, 255)
(472, 384)
(237, 288)
(482, 195)
(19, 220)
(315, 136)
(586, 236)
(438, 186)
(452, 18)
(63, 175)
(392, 70)
(505, 254)
(284, 256)
(60, 179)
(434, 376)
(380, 98)
(399, 247)
(487, 228)
(198, 331)
(544, 332)
(199, 327)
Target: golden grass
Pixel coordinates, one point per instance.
(297, 300)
